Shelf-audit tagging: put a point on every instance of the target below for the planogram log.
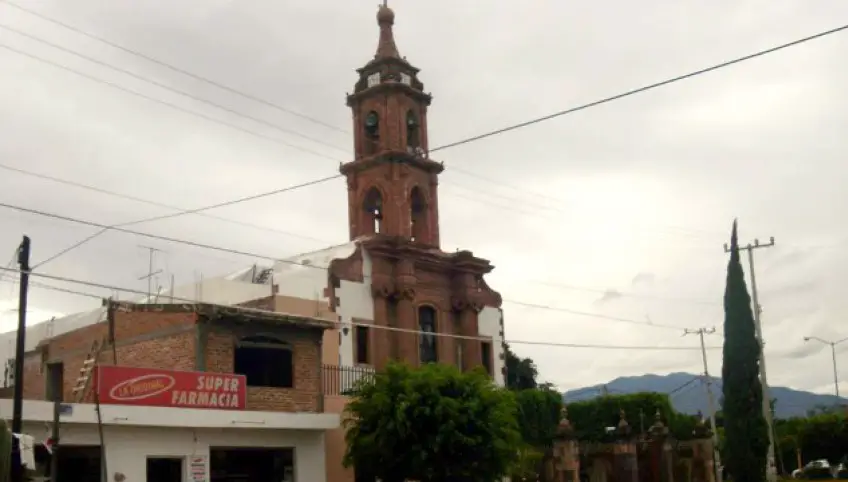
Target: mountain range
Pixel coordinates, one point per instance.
(687, 394)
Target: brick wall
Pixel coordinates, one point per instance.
(35, 384)
(143, 339)
(168, 340)
(306, 394)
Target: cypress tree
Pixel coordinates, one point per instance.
(745, 428)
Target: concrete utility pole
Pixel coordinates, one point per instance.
(771, 468)
(833, 353)
(708, 386)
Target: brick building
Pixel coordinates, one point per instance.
(159, 352)
(351, 307)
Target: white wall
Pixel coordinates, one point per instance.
(355, 301)
(490, 323)
(127, 448)
(38, 332)
(309, 279)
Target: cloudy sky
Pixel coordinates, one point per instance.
(619, 210)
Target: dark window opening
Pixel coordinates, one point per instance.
(55, 381)
(248, 464)
(372, 132)
(265, 361)
(486, 355)
(362, 355)
(456, 326)
(168, 469)
(418, 209)
(81, 461)
(427, 351)
(392, 319)
(413, 132)
(373, 206)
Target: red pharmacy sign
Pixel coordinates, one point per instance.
(118, 385)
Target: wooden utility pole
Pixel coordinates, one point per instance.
(20, 345)
(20, 348)
(771, 469)
(708, 386)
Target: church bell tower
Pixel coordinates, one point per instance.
(392, 182)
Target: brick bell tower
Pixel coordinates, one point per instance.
(393, 212)
(390, 144)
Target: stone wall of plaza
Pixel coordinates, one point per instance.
(653, 456)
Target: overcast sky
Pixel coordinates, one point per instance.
(619, 210)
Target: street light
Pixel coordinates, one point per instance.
(833, 353)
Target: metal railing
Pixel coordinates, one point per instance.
(342, 379)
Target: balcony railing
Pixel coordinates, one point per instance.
(341, 379)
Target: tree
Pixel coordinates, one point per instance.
(746, 432)
(431, 424)
(590, 418)
(521, 373)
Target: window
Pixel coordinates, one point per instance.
(427, 351)
(372, 133)
(413, 134)
(459, 355)
(486, 354)
(55, 381)
(372, 125)
(265, 361)
(406, 78)
(165, 469)
(373, 79)
(373, 206)
(361, 337)
(417, 208)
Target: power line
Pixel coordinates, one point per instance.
(188, 95)
(681, 387)
(169, 88)
(164, 86)
(625, 293)
(640, 89)
(172, 67)
(198, 212)
(350, 324)
(603, 317)
(164, 103)
(296, 263)
(105, 228)
(257, 99)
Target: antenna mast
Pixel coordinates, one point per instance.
(150, 273)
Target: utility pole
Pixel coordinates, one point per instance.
(708, 385)
(150, 273)
(20, 347)
(771, 469)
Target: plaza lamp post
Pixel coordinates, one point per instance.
(833, 354)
